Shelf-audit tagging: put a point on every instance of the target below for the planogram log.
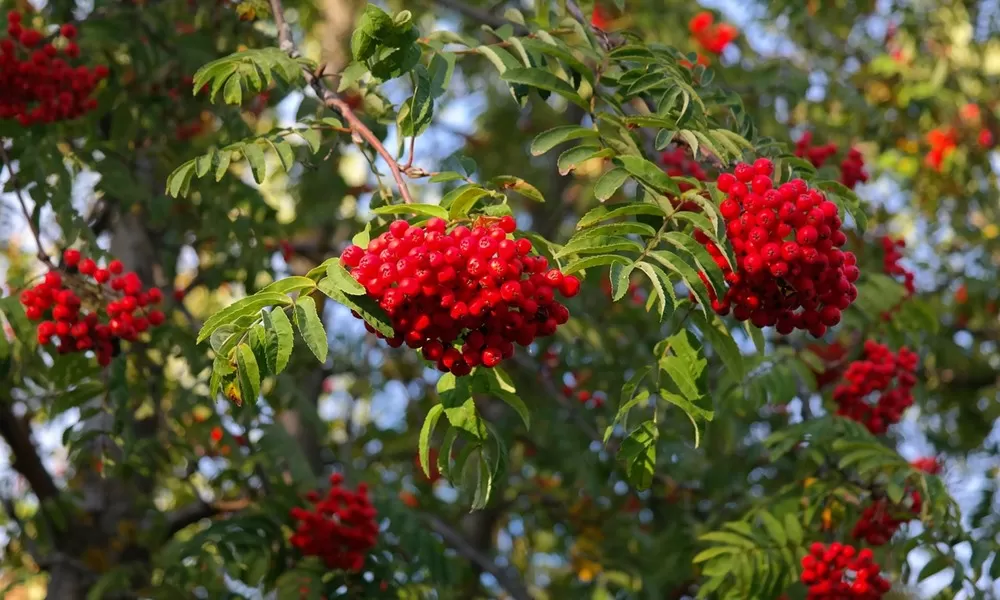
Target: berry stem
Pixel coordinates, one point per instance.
(332, 100)
(5, 158)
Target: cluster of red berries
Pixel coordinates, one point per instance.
(817, 155)
(880, 520)
(852, 168)
(37, 84)
(841, 572)
(943, 142)
(86, 317)
(711, 36)
(890, 262)
(878, 387)
(476, 287)
(340, 529)
(790, 271)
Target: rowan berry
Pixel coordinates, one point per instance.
(789, 265)
(340, 528)
(840, 572)
(38, 85)
(477, 289)
(877, 389)
(98, 323)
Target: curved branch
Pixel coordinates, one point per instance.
(332, 100)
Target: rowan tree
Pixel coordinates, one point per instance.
(501, 300)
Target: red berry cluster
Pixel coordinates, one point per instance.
(84, 315)
(881, 374)
(841, 572)
(880, 520)
(37, 84)
(791, 272)
(817, 155)
(476, 287)
(890, 261)
(712, 37)
(852, 169)
(943, 142)
(927, 464)
(340, 528)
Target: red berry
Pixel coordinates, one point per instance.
(71, 257)
(116, 267)
(88, 266)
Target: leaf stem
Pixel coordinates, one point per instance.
(331, 100)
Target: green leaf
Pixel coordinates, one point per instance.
(428, 210)
(648, 173)
(255, 156)
(465, 418)
(658, 286)
(638, 450)
(701, 257)
(288, 285)
(936, 565)
(674, 263)
(693, 412)
(729, 539)
(628, 399)
(241, 308)
(569, 159)
(773, 527)
(461, 200)
(311, 327)
(279, 341)
(604, 213)
(793, 529)
(339, 277)
(713, 552)
(445, 177)
(548, 140)
(594, 261)
(542, 79)
(522, 187)
(484, 481)
(249, 372)
(599, 245)
(426, 431)
(609, 183)
(620, 276)
(514, 401)
(369, 310)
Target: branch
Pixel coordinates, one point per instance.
(26, 460)
(42, 256)
(514, 587)
(332, 101)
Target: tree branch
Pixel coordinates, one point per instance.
(513, 586)
(26, 460)
(331, 100)
(42, 256)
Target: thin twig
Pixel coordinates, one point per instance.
(42, 256)
(331, 100)
(515, 588)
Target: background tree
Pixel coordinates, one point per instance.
(203, 179)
